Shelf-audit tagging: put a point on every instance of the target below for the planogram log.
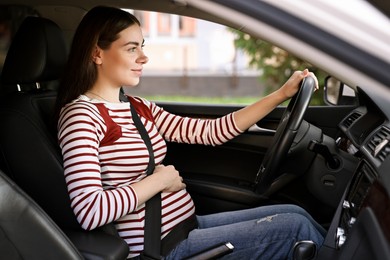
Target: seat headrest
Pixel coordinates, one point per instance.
(37, 53)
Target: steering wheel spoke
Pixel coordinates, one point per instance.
(284, 136)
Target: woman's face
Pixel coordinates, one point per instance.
(121, 64)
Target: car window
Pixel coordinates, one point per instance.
(192, 60)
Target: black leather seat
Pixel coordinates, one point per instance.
(26, 231)
(29, 153)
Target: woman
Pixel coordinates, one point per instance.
(105, 168)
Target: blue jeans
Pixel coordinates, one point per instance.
(267, 232)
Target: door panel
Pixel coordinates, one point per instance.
(221, 178)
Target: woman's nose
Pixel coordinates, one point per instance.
(143, 58)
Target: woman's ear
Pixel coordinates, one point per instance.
(97, 56)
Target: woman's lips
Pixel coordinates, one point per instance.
(138, 72)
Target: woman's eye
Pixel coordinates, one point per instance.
(133, 49)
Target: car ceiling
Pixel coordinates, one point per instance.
(169, 6)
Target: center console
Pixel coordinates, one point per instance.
(361, 226)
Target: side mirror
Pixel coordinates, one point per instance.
(338, 93)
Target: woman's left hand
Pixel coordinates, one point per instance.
(291, 87)
(249, 115)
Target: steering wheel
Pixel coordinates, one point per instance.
(284, 136)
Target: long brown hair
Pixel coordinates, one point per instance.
(99, 27)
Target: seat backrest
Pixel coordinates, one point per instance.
(37, 53)
(26, 232)
(28, 145)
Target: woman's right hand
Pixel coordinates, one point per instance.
(163, 179)
(170, 178)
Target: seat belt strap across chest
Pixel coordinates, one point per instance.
(152, 227)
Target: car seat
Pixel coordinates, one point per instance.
(26, 231)
(29, 152)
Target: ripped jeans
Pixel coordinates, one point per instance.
(267, 232)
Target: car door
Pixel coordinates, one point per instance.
(221, 178)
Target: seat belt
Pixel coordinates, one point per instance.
(153, 246)
(152, 227)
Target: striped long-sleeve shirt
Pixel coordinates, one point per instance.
(104, 154)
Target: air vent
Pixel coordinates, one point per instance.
(351, 119)
(379, 145)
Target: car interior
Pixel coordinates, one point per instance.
(35, 210)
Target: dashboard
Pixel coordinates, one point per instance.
(361, 226)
